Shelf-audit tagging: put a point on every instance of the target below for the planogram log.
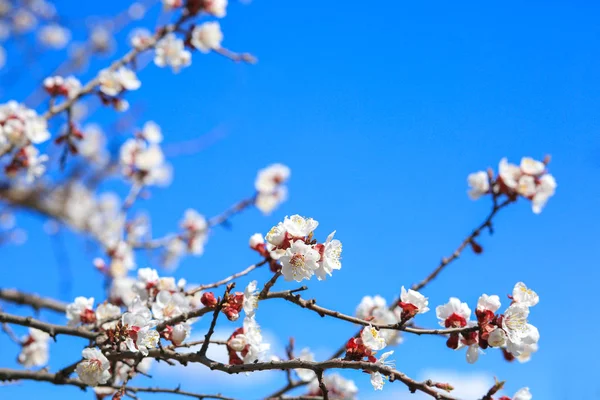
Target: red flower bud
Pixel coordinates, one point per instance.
(208, 299)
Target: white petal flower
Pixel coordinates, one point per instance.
(523, 295)
(54, 36)
(526, 186)
(207, 36)
(369, 304)
(257, 348)
(415, 298)
(497, 338)
(509, 173)
(372, 338)
(473, 353)
(453, 314)
(491, 303)
(330, 258)
(79, 309)
(180, 333)
(256, 240)
(523, 394)
(479, 183)
(34, 351)
(127, 78)
(276, 235)
(169, 305)
(515, 323)
(147, 339)
(216, 7)
(152, 133)
(107, 311)
(93, 370)
(267, 202)
(299, 262)
(250, 298)
(544, 190)
(305, 375)
(532, 167)
(298, 226)
(170, 51)
(110, 84)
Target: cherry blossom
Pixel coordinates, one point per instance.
(299, 262)
(250, 298)
(81, 311)
(170, 51)
(413, 302)
(372, 338)
(34, 349)
(256, 348)
(207, 36)
(377, 379)
(453, 314)
(305, 375)
(338, 387)
(168, 305)
(491, 303)
(331, 252)
(523, 295)
(515, 323)
(216, 7)
(94, 369)
(479, 183)
(54, 36)
(114, 82)
(21, 125)
(57, 85)
(270, 187)
(375, 309)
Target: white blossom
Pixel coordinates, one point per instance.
(20, 125)
(207, 36)
(34, 350)
(170, 51)
(256, 240)
(544, 190)
(532, 167)
(168, 305)
(267, 202)
(339, 387)
(479, 183)
(377, 379)
(330, 257)
(257, 347)
(54, 36)
(522, 394)
(146, 339)
(415, 298)
(515, 323)
(305, 375)
(509, 173)
(180, 333)
(372, 338)
(93, 370)
(107, 311)
(523, 295)
(250, 298)
(453, 313)
(79, 308)
(298, 226)
(216, 7)
(299, 262)
(491, 303)
(497, 338)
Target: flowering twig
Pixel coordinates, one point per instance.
(51, 329)
(213, 323)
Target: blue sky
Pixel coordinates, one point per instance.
(381, 110)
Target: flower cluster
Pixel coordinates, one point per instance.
(246, 344)
(59, 86)
(270, 187)
(150, 300)
(20, 128)
(376, 310)
(142, 159)
(114, 83)
(510, 331)
(301, 256)
(528, 180)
